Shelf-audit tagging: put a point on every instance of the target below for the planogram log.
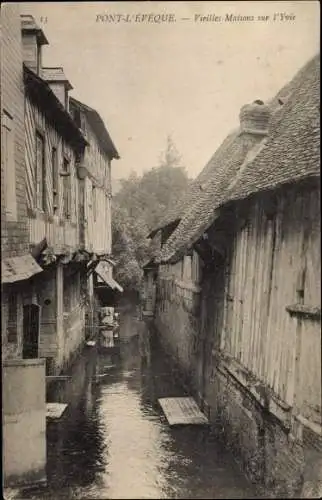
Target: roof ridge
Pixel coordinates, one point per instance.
(28, 72)
(99, 128)
(298, 116)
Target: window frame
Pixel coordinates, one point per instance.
(94, 202)
(67, 188)
(41, 203)
(55, 178)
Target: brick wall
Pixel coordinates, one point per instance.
(14, 234)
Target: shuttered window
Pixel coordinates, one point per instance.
(66, 189)
(94, 203)
(54, 167)
(40, 173)
(8, 161)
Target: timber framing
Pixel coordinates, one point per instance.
(106, 144)
(42, 96)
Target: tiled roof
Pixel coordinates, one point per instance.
(212, 187)
(55, 75)
(180, 205)
(292, 151)
(172, 215)
(222, 168)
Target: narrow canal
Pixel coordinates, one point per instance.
(114, 442)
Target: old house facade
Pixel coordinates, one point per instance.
(68, 163)
(55, 231)
(95, 191)
(251, 346)
(23, 376)
(54, 147)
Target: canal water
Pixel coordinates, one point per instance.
(114, 441)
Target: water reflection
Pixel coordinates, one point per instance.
(114, 442)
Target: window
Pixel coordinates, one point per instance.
(54, 169)
(12, 318)
(94, 202)
(40, 173)
(8, 160)
(75, 197)
(66, 189)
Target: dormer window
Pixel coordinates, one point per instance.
(58, 83)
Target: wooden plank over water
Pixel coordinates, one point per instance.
(182, 411)
(55, 410)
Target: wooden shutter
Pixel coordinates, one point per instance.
(40, 172)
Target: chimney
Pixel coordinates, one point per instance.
(33, 39)
(254, 118)
(56, 79)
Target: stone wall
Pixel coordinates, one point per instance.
(176, 320)
(268, 453)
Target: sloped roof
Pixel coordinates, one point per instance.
(222, 168)
(292, 151)
(177, 209)
(98, 127)
(150, 264)
(219, 174)
(180, 205)
(55, 75)
(41, 94)
(19, 268)
(171, 217)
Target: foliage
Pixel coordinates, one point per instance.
(138, 207)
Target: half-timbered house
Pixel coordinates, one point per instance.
(95, 192)
(23, 372)
(54, 149)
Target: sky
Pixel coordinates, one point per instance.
(182, 74)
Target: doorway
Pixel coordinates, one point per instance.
(31, 327)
